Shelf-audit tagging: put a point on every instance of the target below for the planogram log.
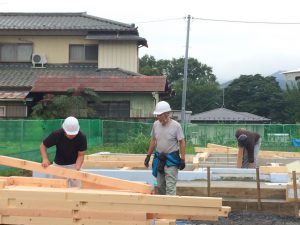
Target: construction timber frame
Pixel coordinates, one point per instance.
(44, 201)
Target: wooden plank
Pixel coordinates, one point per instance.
(294, 166)
(70, 213)
(262, 153)
(126, 157)
(63, 221)
(83, 176)
(290, 192)
(273, 169)
(108, 196)
(37, 182)
(182, 217)
(270, 154)
(216, 150)
(113, 164)
(165, 222)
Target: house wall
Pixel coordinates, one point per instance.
(295, 76)
(14, 109)
(123, 55)
(141, 105)
(118, 54)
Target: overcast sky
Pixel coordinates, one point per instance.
(231, 49)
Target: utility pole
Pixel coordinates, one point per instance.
(183, 102)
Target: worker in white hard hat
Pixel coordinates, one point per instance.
(167, 140)
(70, 145)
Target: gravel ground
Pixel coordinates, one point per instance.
(247, 218)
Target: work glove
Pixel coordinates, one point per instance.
(147, 159)
(182, 164)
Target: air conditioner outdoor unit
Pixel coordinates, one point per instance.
(38, 60)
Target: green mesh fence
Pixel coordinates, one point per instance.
(21, 138)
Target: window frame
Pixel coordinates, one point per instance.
(16, 51)
(113, 109)
(2, 107)
(84, 60)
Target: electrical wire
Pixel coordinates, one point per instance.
(244, 21)
(223, 20)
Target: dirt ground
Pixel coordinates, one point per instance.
(247, 218)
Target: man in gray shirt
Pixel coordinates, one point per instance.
(167, 138)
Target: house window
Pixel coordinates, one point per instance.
(15, 52)
(2, 111)
(83, 53)
(118, 109)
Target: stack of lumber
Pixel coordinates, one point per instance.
(40, 205)
(227, 157)
(42, 201)
(113, 160)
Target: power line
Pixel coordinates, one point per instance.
(223, 20)
(161, 20)
(244, 21)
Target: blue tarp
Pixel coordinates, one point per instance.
(296, 142)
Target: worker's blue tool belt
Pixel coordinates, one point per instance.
(172, 159)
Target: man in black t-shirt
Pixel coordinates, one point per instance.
(70, 145)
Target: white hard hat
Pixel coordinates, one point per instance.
(162, 107)
(71, 126)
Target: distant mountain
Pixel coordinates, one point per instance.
(279, 76)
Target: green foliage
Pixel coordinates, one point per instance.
(258, 95)
(292, 99)
(202, 89)
(138, 143)
(61, 106)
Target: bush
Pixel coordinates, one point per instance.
(138, 144)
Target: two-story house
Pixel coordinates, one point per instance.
(49, 53)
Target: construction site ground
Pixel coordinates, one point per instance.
(248, 218)
(241, 196)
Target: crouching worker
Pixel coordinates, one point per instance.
(70, 148)
(248, 148)
(167, 138)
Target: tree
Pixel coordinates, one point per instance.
(74, 102)
(292, 98)
(202, 88)
(258, 95)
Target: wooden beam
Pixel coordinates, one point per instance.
(108, 196)
(113, 164)
(273, 169)
(125, 157)
(290, 192)
(216, 150)
(83, 176)
(63, 221)
(71, 213)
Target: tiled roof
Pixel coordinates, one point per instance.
(61, 77)
(222, 114)
(60, 21)
(92, 27)
(23, 75)
(100, 83)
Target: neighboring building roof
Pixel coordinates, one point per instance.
(100, 83)
(13, 95)
(59, 21)
(61, 77)
(68, 23)
(292, 71)
(222, 114)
